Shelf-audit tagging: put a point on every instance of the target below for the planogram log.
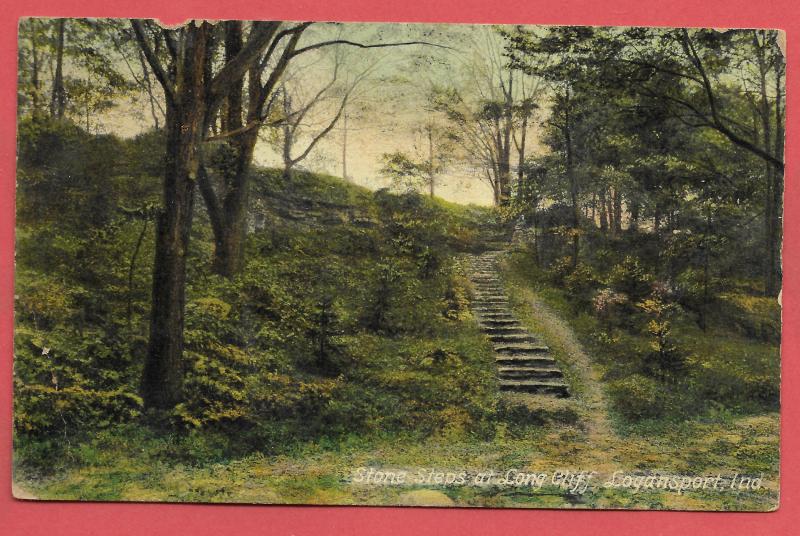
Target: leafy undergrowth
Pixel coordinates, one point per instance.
(719, 419)
(322, 472)
(134, 463)
(346, 342)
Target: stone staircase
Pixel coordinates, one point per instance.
(524, 364)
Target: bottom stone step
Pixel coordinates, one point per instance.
(526, 361)
(532, 386)
(528, 373)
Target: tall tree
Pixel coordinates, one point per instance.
(201, 91)
(193, 92)
(554, 49)
(227, 200)
(246, 108)
(58, 98)
(489, 110)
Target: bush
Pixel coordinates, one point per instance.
(610, 307)
(664, 361)
(580, 285)
(638, 397)
(631, 278)
(756, 317)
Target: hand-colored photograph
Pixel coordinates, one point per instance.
(448, 265)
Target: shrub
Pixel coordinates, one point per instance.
(214, 387)
(696, 291)
(665, 361)
(609, 308)
(581, 284)
(322, 335)
(383, 288)
(559, 270)
(631, 278)
(638, 397)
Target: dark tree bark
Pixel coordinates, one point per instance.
(633, 209)
(573, 180)
(162, 380)
(58, 100)
(229, 203)
(227, 206)
(603, 211)
(193, 93)
(617, 198)
(35, 82)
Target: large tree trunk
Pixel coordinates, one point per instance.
(58, 100)
(573, 181)
(774, 226)
(229, 217)
(35, 68)
(603, 211)
(162, 379)
(230, 238)
(229, 222)
(617, 211)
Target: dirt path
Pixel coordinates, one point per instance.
(560, 336)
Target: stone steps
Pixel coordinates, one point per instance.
(510, 338)
(522, 349)
(543, 361)
(524, 364)
(491, 313)
(527, 373)
(540, 387)
(508, 326)
(499, 322)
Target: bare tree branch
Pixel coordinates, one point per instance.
(363, 45)
(152, 59)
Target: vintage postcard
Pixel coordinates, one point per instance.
(398, 264)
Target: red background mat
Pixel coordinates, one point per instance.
(34, 518)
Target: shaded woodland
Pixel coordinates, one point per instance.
(171, 290)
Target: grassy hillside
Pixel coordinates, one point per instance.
(347, 342)
(349, 318)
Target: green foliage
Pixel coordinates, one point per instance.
(324, 330)
(637, 397)
(349, 316)
(405, 173)
(63, 383)
(581, 284)
(756, 317)
(664, 361)
(579, 281)
(656, 361)
(631, 278)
